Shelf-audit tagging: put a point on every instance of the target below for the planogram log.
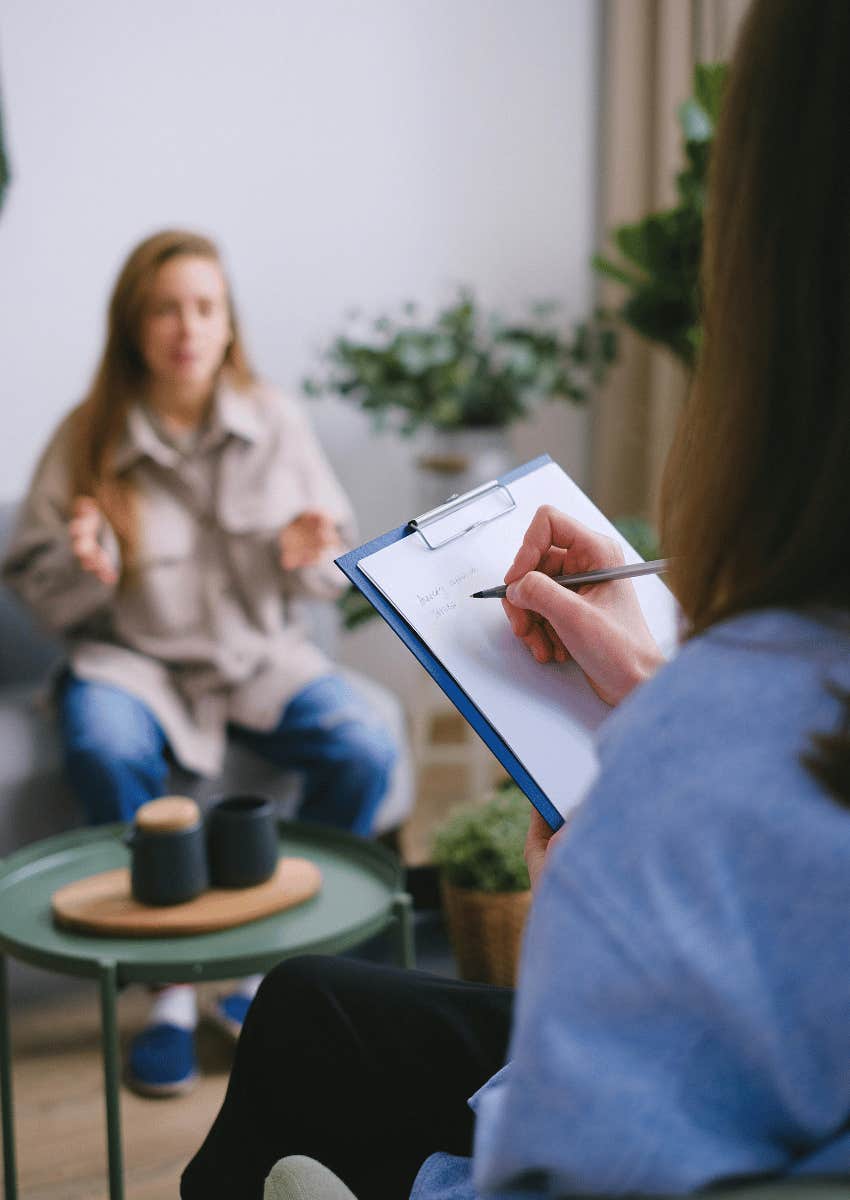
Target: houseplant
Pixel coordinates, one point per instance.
(659, 256)
(464, 375)
(462, 369)
(484, 884)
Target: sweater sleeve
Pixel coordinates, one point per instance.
(40, 565)
(678, 1019)
(321, 490)
(581, 1105)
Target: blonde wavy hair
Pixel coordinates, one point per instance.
(121, 377)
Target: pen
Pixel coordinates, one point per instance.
(603, 575)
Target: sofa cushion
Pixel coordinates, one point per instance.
(26, 652)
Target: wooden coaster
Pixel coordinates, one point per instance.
(103, 903)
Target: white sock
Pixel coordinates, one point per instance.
(248, 986)
(175, 1005)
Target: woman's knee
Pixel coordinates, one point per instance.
(114, 750)
(295, 1008)
(365, 747)
(104, 723)
(309, 986)
(295, 982)
(344, 727)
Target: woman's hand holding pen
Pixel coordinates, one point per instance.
(84, 529)
(601, 627)
(307, 540)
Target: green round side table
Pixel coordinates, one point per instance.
(361, 895)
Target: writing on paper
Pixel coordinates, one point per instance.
(464, 575)
(438, 601)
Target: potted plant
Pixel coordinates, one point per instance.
(484, 884)
(462, 369)
(659, 257)
(463, 375)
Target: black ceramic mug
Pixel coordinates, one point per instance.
(168, 852)
(242, 845)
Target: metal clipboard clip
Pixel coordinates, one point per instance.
(494, 490)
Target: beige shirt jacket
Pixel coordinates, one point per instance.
(202, 629)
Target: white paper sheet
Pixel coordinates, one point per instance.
(546, 713)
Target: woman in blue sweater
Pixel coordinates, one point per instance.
(683, 1010)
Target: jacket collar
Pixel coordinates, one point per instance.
(233, 413)
(237, 413)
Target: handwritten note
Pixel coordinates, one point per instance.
(442, 599)
(546, 713)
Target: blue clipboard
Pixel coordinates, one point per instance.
(419, 526)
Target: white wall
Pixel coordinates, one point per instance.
(343, 152)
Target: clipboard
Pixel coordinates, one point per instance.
(426, 527)
(540, 721)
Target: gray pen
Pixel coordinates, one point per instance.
(603, 575)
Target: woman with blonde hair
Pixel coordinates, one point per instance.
(172, 519)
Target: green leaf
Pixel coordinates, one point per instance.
(633, 242)
(354, 608)
(663, 318)
(640, 534)
(605, 267)
(608, 345)
(665, 247)
(709, 82)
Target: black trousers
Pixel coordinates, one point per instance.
(364, 1067)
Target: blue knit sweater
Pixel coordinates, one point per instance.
(684, 1000)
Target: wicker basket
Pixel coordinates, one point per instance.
(485, 929)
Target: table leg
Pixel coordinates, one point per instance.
(111, 1080)
(10, 1176)
(403, 930)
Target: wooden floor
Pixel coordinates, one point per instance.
(60, 1117)
(58, 1087)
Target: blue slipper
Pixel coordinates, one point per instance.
(162, 1061)
(228, 1013)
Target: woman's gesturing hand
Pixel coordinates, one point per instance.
(84, 529)
(601, 627)
(307, 540)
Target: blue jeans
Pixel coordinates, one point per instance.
(116, 752)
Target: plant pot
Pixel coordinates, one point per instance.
(456, 460)
(485, 929)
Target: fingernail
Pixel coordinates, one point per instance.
(510, 592)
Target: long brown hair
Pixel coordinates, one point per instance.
(121, 376)
(756, 496)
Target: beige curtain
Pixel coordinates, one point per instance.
(648, 54)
